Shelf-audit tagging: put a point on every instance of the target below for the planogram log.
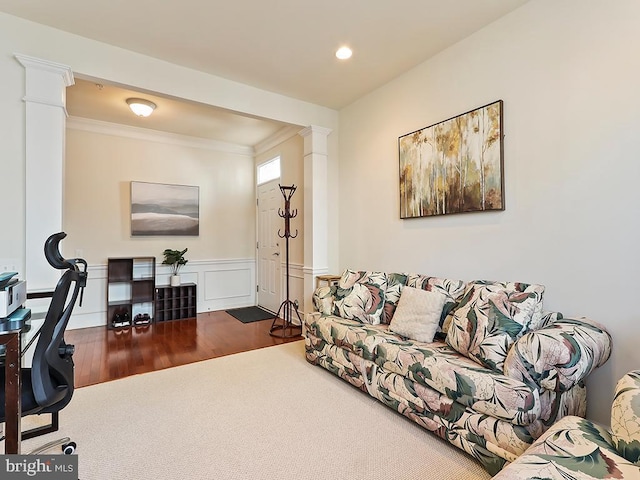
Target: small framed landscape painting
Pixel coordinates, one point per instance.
(454, 166)
(160, 209)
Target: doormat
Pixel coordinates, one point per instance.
(250, 314)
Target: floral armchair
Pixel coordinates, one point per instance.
(578, 449)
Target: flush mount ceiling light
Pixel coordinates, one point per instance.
(141, 107)
(343, 53)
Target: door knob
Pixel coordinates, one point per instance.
(277, 253)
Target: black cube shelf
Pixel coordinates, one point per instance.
(175, 303)
(130, 290)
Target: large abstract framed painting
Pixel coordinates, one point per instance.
(160, 209)
(454, 166)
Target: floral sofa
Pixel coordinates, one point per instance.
(575, 448)
(490, 373)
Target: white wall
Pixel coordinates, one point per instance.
(97, 60)
(101, 161)
(568, 74)
(99, 168)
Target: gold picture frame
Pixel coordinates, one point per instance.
(454, 166)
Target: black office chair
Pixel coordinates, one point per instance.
(47, 387)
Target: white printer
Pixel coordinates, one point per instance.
(13, 293)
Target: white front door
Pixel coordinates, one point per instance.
(269, 280)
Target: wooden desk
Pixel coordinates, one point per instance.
(10, 334)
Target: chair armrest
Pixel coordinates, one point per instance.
(625, 417)
(573, 448)
(323, 298)
(560, 355)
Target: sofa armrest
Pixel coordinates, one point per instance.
(323, 298)
(560, 355)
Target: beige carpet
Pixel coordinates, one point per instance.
(265, 414)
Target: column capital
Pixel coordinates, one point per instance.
(45, 65)
(305, 132)
(46, 82)
(315, 139)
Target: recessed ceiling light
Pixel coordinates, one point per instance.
(343, 53)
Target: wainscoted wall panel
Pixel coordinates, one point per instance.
(229, 285)
(93, 310)
(221, 284)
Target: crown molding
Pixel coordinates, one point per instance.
(116, 129)
(282, 135)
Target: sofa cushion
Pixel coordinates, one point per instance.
(352, 335)
(546, 319)
(490, 317)
(351, 277)
(418, 314)
(453, 289)
(361, 301)
(323, 299)
(437, 366)
(395, 283)
(425, 405)
(625, 417)
(390, 283)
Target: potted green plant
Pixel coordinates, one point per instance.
(175, 259)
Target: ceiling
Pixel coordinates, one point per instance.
(107, 103)
(283, 46)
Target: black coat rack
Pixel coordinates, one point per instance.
(282, 321)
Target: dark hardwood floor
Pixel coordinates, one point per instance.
(102, 355)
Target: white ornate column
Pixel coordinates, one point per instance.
(316, 211)
(45, 98)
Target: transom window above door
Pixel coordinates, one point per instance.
(269, 170)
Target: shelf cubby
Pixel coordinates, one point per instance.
(130, 289)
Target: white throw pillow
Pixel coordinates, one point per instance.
(418, 314)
